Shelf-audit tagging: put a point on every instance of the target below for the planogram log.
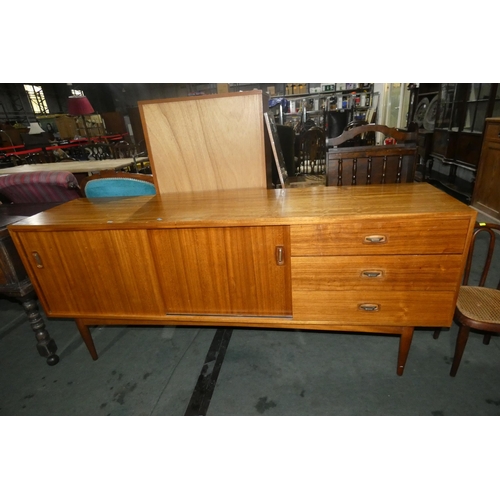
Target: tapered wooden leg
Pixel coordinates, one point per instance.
(87, 338)
(486, 338)
(404, 348)
(436, 333)
(462, 337)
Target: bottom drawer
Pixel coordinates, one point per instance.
(375, 308)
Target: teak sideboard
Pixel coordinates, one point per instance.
(378, 258)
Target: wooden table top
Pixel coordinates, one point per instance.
(72, 166)
(247, 207)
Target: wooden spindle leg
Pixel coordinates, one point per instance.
(46, 346)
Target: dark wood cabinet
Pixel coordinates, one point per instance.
(486, 196)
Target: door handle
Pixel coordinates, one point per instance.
(280, 255)
(38, 260)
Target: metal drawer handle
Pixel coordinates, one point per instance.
(38, 260)
(372, 274)
(369, 307)
(375, 238)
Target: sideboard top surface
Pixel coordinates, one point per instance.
(248, 207)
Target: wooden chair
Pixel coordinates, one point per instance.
(478, 307)
(110, 184)
(372, 164)
(312, 151)
(39, 187)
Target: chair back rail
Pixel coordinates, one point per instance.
(112, 184)
(399, 135)
(375, 164)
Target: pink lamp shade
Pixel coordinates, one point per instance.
(79, 105)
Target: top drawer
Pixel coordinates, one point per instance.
(380, 236)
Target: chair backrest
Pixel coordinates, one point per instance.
(312, 150)
(482, 252)
(110, 184)
(359, 165)
(39, 187)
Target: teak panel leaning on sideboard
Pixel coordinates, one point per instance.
(207, 143)
(380, 258)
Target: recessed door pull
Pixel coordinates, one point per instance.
(369, 307)
(375, 238)
(38, 259)
(280, 255)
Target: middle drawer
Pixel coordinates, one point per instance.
(394, 272)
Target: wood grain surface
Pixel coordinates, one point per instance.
(206, 143)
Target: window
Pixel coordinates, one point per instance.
(477, 106)
(37, 99)
(77, 92)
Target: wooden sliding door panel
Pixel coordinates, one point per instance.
(227, 271)
(93, 273)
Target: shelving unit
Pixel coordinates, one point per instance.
(329, 107)
(451, 143)
(354, 99)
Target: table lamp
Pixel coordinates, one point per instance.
(35, 129)
(79, 105)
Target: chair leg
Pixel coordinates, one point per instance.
(462, 337)
(437, 331)
(487, 338)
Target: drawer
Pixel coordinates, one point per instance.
(398, 272)
(380, 236)
(492, 131)
(377, 307)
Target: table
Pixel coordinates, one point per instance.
(14, 281)
(376, 258)
(73, 166)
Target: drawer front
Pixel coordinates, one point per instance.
(380, 236)
(492, 131)
(408, 272)
(420, 308)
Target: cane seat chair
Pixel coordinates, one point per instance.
(478, 307)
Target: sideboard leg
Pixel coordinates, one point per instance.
(404, 348)
(46, 346)
(87, 338)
